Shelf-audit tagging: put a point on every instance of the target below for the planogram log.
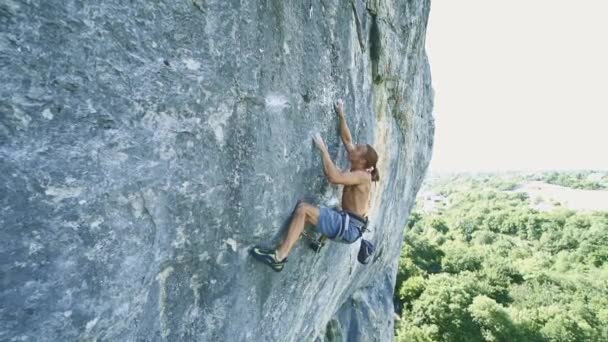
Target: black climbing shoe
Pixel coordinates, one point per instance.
(268, 257)
(316, 245)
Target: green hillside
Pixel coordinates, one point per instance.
(479, 263)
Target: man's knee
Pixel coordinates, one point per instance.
(306, 210)
(302, 208)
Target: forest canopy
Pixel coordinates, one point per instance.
(483, 263)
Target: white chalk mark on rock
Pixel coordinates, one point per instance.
(162, 300)
(195, 285)
(59, 194)
(191, 64)
(34, 248)
(276, 103)
(180, 238)
(232, 243)
(204, 256)
(218, 119)
(47, 114)
(90, 325)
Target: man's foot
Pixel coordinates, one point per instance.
(316, 245)
(268, 257)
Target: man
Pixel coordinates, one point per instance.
(342, 226)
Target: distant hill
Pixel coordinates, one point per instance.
(547, 197)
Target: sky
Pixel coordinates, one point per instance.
(519, 84)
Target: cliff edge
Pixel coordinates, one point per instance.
(147, 145)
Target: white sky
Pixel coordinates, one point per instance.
(519, 84)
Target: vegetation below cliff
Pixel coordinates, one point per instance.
(483, 264)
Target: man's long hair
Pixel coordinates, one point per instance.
(371, 158)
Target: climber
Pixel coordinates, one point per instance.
(355, 197)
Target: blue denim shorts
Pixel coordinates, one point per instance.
(330, 221)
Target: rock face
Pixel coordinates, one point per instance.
(145, 146)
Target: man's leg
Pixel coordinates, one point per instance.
(305, 213)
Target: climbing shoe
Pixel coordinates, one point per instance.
(268, 257)
(316, 245)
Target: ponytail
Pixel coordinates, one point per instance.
(371, 158)
(375, 175)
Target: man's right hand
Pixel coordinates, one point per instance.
(319, 142)
(339, 107)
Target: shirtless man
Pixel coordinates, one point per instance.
(330, 222)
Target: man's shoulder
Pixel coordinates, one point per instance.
(364, 184)
(366, 176)
(362, 173)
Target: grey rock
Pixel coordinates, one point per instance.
(145, 146)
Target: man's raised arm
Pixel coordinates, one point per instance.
(333, 174)
(347, 139)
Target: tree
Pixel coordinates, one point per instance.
(493, 319)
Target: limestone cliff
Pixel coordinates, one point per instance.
(145, 146)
